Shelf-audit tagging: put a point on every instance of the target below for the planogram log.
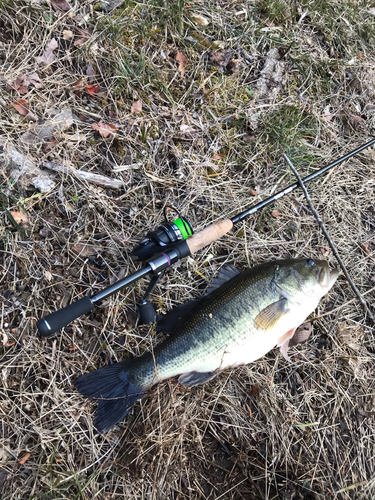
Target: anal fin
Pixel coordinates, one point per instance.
(191, 379)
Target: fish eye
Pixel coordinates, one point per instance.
(310, 262)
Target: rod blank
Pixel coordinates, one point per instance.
(255, 208)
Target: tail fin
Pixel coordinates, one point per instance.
(114, 390)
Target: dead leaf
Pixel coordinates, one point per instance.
(357, 122)
(23, 81)
(78, 85)
(255, 191)
(67, 34)
(221, 58)
(21, 106)
(48, 56)
(105, 129)
(48, 275)
(203, 21)
(327, 115)
(24, 459)
(32, 79)
(15, 84)
(45, 131)
(85, 250)
(188, 132)
(90, 72)
(301, 335)
(371, 11)
(81, 41)
(92, 89)
(47, 146)
(366, 248)
(24, 171)
(136, 107)
(277, 213)
(182, 60)
(248, 138)
(297, 206)
(20, 217)
(60, 5)
(187, 129)
(217, 156)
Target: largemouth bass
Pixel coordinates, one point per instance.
(235, 324)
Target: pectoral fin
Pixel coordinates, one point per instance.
(270, 315)
(283, 343)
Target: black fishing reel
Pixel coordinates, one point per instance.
(164, 237)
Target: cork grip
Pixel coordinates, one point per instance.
(209, 234)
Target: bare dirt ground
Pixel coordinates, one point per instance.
(196, 102)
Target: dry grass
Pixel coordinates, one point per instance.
(270, 430)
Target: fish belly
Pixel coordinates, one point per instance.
(258, 345)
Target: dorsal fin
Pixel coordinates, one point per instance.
(226, 273)
(167, 322)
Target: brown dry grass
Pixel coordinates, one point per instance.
(270, 430)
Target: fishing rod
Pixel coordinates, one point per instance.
(163, 247)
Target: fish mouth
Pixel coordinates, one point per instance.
(327, 278)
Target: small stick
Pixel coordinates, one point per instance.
(99, 180)
(331, 244)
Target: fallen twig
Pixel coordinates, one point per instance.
(330, 242)
(100, 180)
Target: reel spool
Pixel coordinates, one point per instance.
(164, 237)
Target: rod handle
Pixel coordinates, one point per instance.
(53, 322)
(209, 234)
